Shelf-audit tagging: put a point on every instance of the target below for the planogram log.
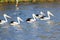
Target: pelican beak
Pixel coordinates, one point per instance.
(50, 13)
(8, 16)
(21, 20)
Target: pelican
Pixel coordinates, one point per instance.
(39, 15)
(16, 23)
(30, 20)
(46, 18)
(4, 21)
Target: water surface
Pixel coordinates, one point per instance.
(39, 30)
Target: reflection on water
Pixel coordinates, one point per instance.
(39, 30)
(51, 22)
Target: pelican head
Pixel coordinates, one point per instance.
(5, 15)
(50, 13)
(41, 12)
(19, 19)
(33, 15)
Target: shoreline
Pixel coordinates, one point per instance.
(30, 1)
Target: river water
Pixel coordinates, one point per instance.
(39, 30)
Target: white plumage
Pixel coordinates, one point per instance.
(16, 23)
(4, 21)
(31, 20)
(46, 18)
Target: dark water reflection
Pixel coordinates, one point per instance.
(39, 30)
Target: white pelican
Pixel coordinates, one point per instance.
(4, 21)
(30, 20)
(46, 18)
(16, 23)
(39, 15)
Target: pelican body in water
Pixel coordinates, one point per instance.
(35, 16)
(31, 20)
(46, 18)
(16, 23)
(41, 15)
(4, 21)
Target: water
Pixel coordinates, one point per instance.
(39, 30)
